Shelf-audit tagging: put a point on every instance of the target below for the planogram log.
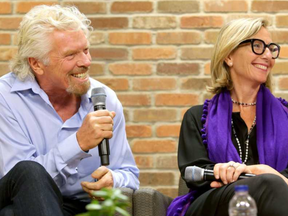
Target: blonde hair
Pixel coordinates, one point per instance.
(229, 38)
(34, 31)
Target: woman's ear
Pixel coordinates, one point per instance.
(229, 61)
(36, 65)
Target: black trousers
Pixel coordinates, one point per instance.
(28, 190)
(269, 191)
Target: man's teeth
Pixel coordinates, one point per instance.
(261, 67)
(82, 75)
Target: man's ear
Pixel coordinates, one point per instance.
(36, 66)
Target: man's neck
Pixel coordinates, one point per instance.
(66, 105)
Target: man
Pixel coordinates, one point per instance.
(49, 161)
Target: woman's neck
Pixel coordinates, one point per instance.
(244, 93)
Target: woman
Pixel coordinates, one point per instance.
(242, 129)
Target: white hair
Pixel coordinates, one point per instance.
(34, 32)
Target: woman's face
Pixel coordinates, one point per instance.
(246, 67)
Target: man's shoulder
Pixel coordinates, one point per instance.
(7, 81)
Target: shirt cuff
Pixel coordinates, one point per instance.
(70, 150)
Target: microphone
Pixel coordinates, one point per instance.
(197, 174)
(98, 97)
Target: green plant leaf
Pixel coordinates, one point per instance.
(93, 206)
(122, 211)
(100, 193)
(108, 203)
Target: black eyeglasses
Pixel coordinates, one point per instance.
(259, 46)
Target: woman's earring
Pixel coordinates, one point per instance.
(230, 64)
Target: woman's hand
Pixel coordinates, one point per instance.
(228, 172)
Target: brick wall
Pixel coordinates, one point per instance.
(155, 55)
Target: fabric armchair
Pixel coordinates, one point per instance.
(150, 202)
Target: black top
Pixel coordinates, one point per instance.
(192, 151)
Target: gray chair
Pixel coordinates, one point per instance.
(150, 202)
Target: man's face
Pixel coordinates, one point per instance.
(69, 61)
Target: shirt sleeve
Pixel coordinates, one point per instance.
(191, 150)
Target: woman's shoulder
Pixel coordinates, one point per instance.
(195, 111)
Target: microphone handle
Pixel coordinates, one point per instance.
(209, 176)
(103, 147)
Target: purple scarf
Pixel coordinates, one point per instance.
(272, 136)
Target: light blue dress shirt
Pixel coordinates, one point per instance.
(31, 129)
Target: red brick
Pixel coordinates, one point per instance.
(154, 146)
(202, 21)
(178, 68)
(194, 53)
(166, 162)
(5, 7)
(4, 68)
(284, 52)
(269, 6)
(280, 68)
(176, 99)
(156, 179)
(144, 161)
(148, 84)
(131, 7)
(14, 38)
(134, 99)
(7, 53)
(210, 36)
(130, 69)
(130, 38)
(154, 22)
(89, 7)
(197, 84)
(282, 21)
(97, 38)
(178, 6)
(225, 6)
(279, 36)
(168, 130)
(115, 83)
(126, 114)
(207, 68)
(96, 69)
(154, 115)
(24, 7)
(109, 23)
(154, 53)
(283, 83)
(109, 53)
(10, 23)
(178, 38)
(138, 131)
(5, 38)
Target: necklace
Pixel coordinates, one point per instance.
(246, 142)
(243, 104)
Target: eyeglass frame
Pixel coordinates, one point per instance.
(251, 41)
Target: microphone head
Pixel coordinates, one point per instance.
(98, 96)
(194, 174)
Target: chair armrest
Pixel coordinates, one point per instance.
(147, 201)
(129, 193)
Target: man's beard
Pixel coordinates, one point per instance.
(77, 89)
